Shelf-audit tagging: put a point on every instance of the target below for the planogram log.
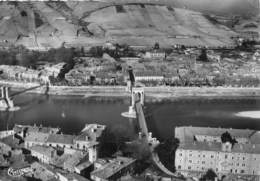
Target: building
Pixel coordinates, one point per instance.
(5, 149)
(70, 160)
(114, 169)
(149, 76)
(35, 138)
(155, 54)
(24, 130)
(53, 69)
(60, 140)
(70, 177)
(86, 141)
(43, 153)
(42, 172)
(201, 149)
(23, 74)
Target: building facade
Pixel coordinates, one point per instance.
(202, 149)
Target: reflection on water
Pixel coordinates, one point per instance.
(249, 114)
(72, 113)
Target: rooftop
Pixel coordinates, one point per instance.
(186, 137)
(91, 131)
(44, 150)
(36, 137)
(18, 128)
(73, 176)
(60, 138)
(186, 134)
(113, 167)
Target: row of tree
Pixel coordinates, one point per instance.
(21, 56)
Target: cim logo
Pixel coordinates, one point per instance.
(19, 172)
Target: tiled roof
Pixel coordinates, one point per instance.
(37, 137)
(44, 150)
(60, 138)
(186, 134)
(113, 167)
(186, 137)
(92, 131)
(19, 128)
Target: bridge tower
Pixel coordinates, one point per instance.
(131, 112)
(5, 102)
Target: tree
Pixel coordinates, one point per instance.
(166, 152)
(203, 56)
(156, 46)
(226, 137)
(209, 176)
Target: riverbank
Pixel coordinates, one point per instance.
(162, 92)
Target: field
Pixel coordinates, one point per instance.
(145, 25)
(39, 25)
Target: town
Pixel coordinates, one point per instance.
(130, 90)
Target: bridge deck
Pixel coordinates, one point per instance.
(145, 134)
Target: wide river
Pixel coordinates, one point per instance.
(72, 113)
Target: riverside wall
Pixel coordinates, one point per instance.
(161, 92)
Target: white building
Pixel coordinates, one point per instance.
(202, 149)
(155, 54)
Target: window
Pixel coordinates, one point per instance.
(179, 167)
(203, 156)
(243, 165)
(243, 158)
(180, 154)
(231, 170)
(242, 171)
(212, 156)
(189, 168)
(226, 156)
(232, 158)
(190, 155)
(190, 161)
(203, 162)
(237, 164)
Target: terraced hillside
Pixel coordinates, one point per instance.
(43, 25)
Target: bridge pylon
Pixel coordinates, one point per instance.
(5, 102)
(131, 111)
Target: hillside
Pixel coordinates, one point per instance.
(44, 25)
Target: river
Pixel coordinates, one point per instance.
(72, 113)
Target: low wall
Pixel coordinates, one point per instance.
(161, 92)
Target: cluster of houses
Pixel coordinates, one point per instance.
(60, 156)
